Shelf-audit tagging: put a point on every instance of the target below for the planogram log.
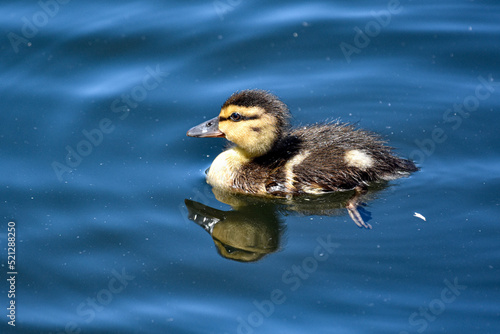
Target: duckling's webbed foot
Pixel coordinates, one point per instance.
(352, 208)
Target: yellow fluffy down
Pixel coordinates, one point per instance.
(359, 159)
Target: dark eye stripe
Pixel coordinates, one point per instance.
(243, 118)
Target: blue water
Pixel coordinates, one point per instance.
(104, 241)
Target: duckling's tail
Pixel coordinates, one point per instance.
(407, 166)
(399, 168)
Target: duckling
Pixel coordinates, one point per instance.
(269, 158)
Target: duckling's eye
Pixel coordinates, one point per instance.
(235, 117)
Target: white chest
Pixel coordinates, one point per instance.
(225, 168)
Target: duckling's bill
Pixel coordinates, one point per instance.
(209, 128)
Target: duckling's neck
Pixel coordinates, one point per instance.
(252, 147)
(249, 154)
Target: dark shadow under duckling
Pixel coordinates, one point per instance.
(271, 159)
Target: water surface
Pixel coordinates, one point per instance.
(104, 243)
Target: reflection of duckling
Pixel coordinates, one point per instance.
(269, 158)
(253, 228)
(246, 235)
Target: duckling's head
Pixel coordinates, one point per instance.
(254, 120)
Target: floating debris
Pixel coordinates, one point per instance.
(418, 215)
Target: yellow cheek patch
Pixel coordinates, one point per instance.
(254, 134)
